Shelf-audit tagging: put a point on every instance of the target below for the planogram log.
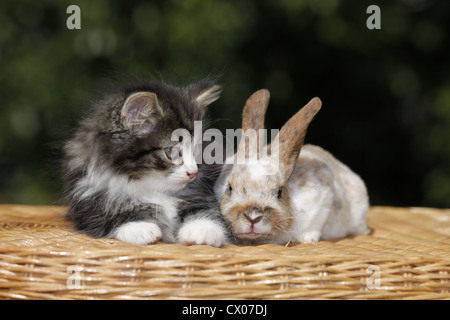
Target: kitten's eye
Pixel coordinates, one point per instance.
(280, 192)
(173, 152)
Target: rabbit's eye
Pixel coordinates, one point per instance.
(280, 192)
(230, 188)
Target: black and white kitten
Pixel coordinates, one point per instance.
(127, 179)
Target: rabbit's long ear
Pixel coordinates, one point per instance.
(252, 121)
(289, 142)
(255, 110)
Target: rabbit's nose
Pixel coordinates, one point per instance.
(257, 211)
(253, 218)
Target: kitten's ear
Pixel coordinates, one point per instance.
(208, 96)
(139, 111)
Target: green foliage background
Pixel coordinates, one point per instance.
(386, 93)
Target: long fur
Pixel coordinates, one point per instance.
(118, 180)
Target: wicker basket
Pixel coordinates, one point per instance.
(406, 256)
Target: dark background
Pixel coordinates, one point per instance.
(385, 93)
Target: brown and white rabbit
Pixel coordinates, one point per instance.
(281, 194)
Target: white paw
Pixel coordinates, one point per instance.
(203, 231)
(309, 237)
(140, 232)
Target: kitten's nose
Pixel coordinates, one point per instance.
(191, 175)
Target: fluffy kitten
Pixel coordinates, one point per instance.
(124, 176)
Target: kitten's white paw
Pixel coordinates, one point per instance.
(139, 232)
(309, 237)
(203, 231)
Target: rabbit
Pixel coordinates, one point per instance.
(288, 192)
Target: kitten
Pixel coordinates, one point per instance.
(124, 176)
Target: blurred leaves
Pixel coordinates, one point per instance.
(386, 93)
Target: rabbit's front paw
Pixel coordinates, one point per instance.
(203, 231)
(309, 237)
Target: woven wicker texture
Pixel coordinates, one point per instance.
(406, 256)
